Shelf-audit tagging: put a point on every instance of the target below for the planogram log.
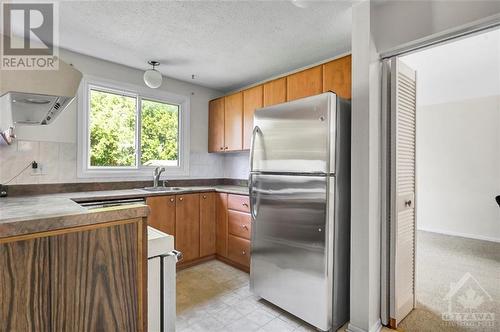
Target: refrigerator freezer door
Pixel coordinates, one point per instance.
(296, 137)
(290, 241)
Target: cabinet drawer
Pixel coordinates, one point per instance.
(239, 224)
(238, 250)
(238, 202)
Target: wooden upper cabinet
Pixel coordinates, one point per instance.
(337, 77)
(221, 223)
(207, 224)
(233, 122)
(252, 99)
(162, 213)
(275, 92)
(187, 226)
(305, 83)
(216, 125)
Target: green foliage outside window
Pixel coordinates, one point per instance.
(112, 129)
(159, 132)
(112, 124)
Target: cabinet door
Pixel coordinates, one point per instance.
(187, 226)
(305, 83)
(233, 122)
(162, 214)
(275, 92)
(207, 224)
(96, 277)
(216, 125)
(221, 224)
(24, 286)
(238, 250)
(337, 77)
(252, 99)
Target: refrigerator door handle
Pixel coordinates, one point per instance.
(250, 196)
(256, 130)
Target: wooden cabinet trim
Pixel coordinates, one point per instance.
(68, 230)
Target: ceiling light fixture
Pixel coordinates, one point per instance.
(152, 77)
(301, 3)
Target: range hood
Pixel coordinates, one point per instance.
(35, 97)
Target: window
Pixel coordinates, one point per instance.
(130, 130)
(159, 133)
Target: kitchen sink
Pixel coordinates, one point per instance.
(162, 189)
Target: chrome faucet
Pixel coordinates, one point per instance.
(156, 175)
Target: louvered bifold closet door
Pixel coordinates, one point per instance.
(403, 130)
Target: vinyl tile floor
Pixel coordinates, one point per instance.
(214, 296)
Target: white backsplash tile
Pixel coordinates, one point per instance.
(236, 165)
(48, 162)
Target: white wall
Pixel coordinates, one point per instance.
(54, 146)
(458, 137)
(387, 25)
(365, 176)
(458, 168)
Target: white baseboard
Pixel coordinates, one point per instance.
(466, 235)
(375, 328)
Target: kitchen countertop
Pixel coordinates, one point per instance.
(30, 214)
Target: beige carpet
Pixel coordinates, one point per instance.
(442, 260)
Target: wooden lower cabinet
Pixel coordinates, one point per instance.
(221, 224)
(25, 286)
(238, 250)
(162, 213)
(90, 278)
(239, 224)
(94, 280)
(204, 225)
(187, 226)
(207, 224)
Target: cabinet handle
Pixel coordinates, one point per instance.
(225, 148)
(245, 204)
(181, 198)
(204, 196)
(171, 199)
(221, 148)
(243, 252)
(244, 227)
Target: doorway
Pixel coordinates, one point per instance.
(453, 250)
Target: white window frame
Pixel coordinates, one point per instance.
(84, 170)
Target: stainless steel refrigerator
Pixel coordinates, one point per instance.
(300, 205)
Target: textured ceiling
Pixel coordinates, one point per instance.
(225, 44)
